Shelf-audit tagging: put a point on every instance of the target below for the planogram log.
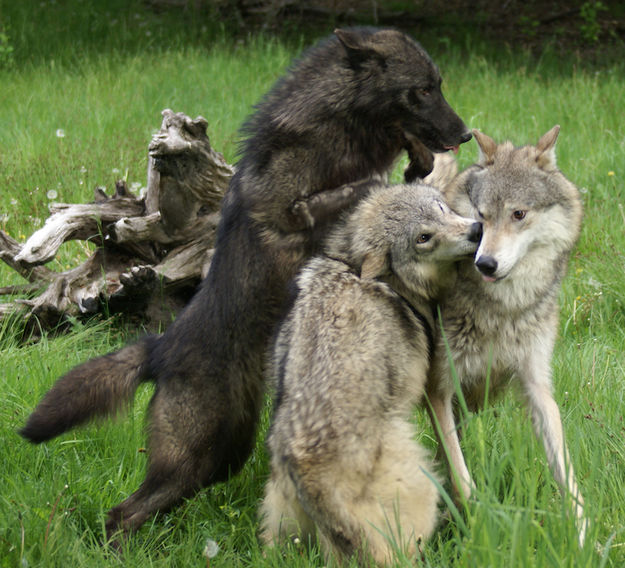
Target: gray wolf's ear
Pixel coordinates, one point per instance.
(547, 148)
(373, 265)
(487, 148)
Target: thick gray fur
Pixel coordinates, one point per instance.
(500, 322)
(350, 363)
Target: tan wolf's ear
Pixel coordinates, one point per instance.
(546, 147)
(373, 265)
(487, 148)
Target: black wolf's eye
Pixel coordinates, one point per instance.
(424, 238)
(415, 93)
(519, 215)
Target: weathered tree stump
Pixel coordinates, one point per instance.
(152, 250)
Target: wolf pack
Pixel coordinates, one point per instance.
(352, 301)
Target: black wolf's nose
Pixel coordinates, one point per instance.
(487, 265)
(465, 137)
(475, 232)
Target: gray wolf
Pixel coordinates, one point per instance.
(330, 127)
(350, 362)
(502, 315)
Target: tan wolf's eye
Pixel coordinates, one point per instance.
(519, 215)
(423, 238)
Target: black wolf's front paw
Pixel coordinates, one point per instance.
(421, 160)
(302, 214)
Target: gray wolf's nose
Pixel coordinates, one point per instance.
(487, 265)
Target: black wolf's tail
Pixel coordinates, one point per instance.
(98, 387)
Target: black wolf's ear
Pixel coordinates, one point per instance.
(547, 149)
(487, 148)
(373, 265)
(357, 48)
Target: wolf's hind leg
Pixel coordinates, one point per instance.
(400, 500)
(282, 516)
(178, 468)
(158, 492)
(379, 512)
(190, 446)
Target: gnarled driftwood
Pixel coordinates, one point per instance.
(151, 250)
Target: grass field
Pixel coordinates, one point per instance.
(80, 96)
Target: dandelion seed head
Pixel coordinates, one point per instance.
(52, 194)
(211, 549)
(60, 133)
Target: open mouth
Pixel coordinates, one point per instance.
(454, 149)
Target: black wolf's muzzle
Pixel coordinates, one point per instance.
(465, 137)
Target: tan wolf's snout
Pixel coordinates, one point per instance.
(464, 236)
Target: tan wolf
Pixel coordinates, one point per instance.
(502, 316)
(349, 364)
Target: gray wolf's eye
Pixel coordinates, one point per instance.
(519, 215)
(424, 238)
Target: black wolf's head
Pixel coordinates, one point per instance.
(398, 81)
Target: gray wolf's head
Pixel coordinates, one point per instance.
(407, 231)
(523, 201)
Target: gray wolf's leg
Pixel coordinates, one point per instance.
(442, 416)
(536, 377)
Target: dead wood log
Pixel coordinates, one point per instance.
(152, 250)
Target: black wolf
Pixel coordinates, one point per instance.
(327, 131)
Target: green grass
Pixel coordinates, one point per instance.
(104, 84)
